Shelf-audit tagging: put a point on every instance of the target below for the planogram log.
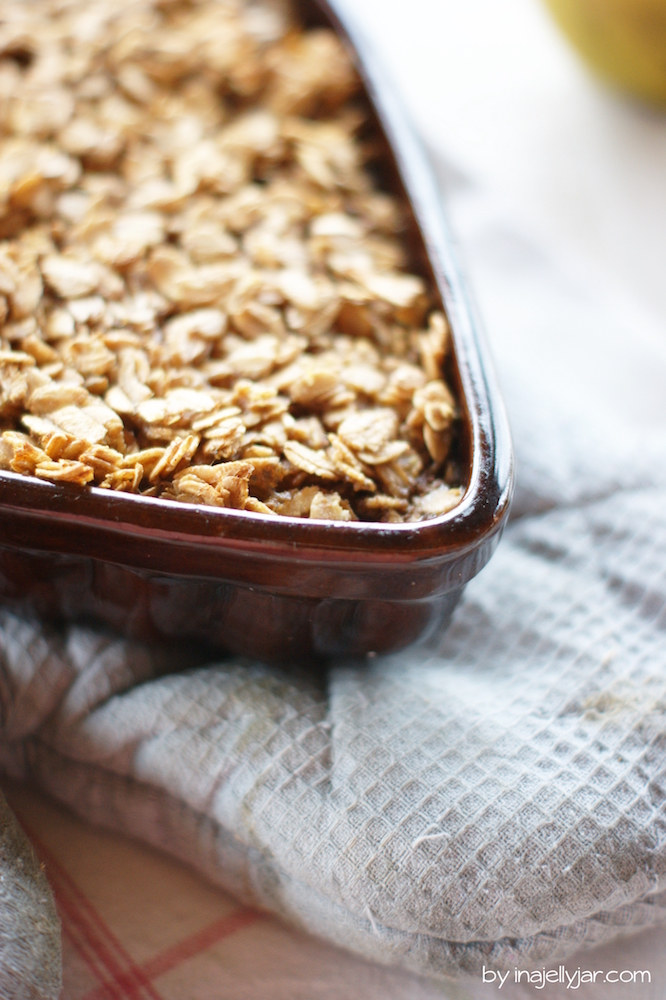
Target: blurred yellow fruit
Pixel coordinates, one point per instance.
(624, 40)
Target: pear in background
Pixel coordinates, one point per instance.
(623, 40)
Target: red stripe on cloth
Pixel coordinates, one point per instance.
(201, 941)
(86, 945)
(88, 955)
(128, 981)
(191, 946)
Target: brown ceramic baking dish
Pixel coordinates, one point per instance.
(280, 588)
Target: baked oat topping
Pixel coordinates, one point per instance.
(204, 293)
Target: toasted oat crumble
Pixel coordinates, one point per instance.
(203, 292)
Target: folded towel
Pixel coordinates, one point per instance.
(498, 798)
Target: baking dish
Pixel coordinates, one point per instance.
(281, 588)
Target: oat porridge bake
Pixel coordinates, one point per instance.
(204, 292)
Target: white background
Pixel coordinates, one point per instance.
(495, 89)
